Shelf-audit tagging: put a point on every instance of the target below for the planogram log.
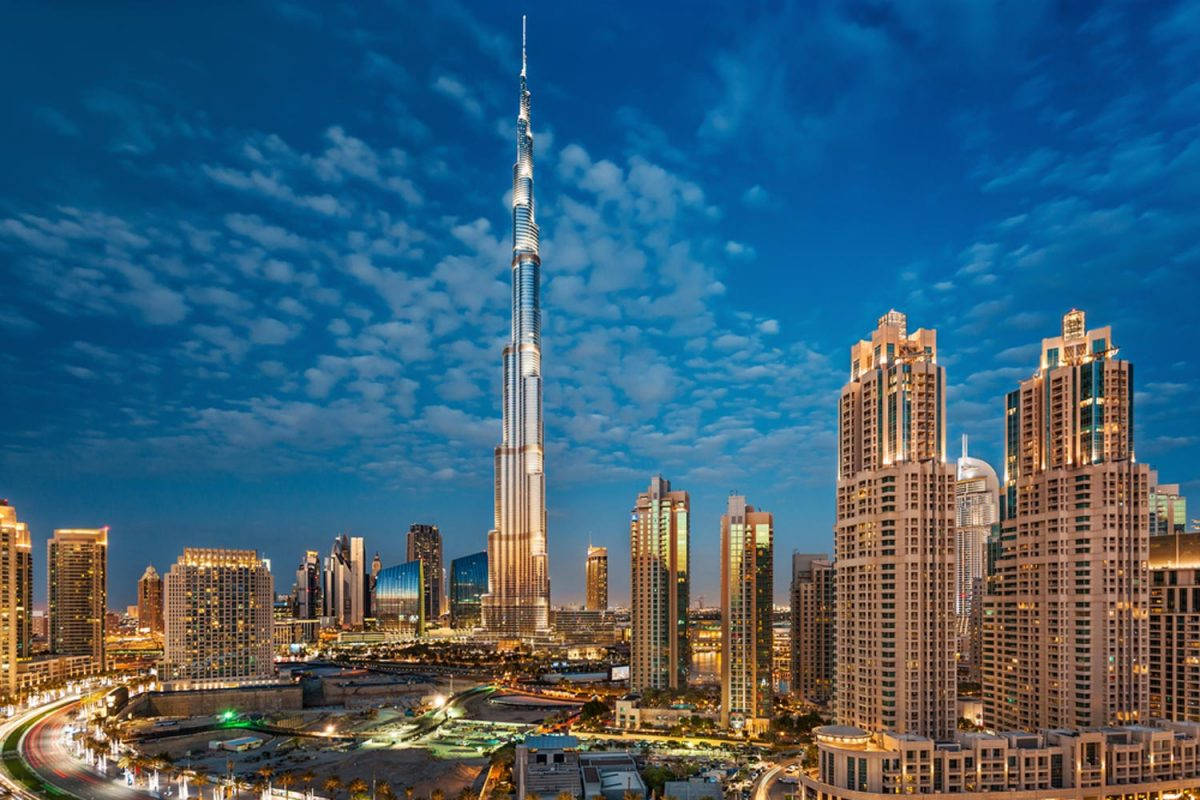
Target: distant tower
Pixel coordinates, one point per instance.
(812, 627)
(150, 600)
(597, 579)
(16, 594)
(1066, 630)
(518, 598)
(425, 545)
(894, 538)
(660, 570)
(747, 616)
(77, 595)
(308, 586)
(977, 514)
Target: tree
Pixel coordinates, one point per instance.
(357, 789)
(200, 778)
(565, 795)
(308, 777)
(384, 789)
(332, 785)
(437, 794)
(287, 780)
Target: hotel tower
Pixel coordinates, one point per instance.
(659, 583)
(747, 635)
(517, 603)
(1066, 617)
(894, 538)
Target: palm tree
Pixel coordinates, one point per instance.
(465, 793)
(200, 778)
(409, 792)
(287, 780)
(565, 795)
(331, 785)
(437, 794)
(308, 777)
(265, 773)
(357, 788)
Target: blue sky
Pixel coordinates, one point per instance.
(255, 257)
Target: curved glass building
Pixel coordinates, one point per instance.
(400, 598)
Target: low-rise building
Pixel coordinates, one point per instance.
(583, 626)
(35, 673)
(692, 789)
(1134, 761)
(547, 765)
(631, 715)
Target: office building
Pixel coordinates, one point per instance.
(517, 603)
(219, 619)
(660, 568)
(1066, 636)
(747, 625)
(150, 600)
(16, 595)
(976, 516)
(308, 587)
(346, 591)
(596, 579)
(1175, 627)
(400, 598)
(468, 583)
(77, 592)
(812, 627)
(583, 626)
(1168, 510)
(894, 538)
(425, 545)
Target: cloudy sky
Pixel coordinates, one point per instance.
(255, 257)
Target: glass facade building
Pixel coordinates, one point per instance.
(468, 583)
(400, 598)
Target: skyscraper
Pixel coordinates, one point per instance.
(150, 600)
(518, 598)
(977, 512)
(16, 594)
(894, 538)
(1168, 510)
(219, 618)
(747, 611)
(308, 586)
(660, 568)
(597, 579)
(1174, 624)
(346, 590)
(400, 598)
(425, 545)
(1066, 617)
(77, 592)
(468, 582)
(812, 627)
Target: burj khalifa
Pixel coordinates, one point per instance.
(517, 603)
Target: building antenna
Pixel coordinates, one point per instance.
(964, 446)
(522, 45)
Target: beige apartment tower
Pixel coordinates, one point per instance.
(597, 579)
(1175, 627)
(894, 538)
(16, 594)
(747, 617)
(1065, 637)
(77, 592)
(660, 569)
(150, 600)
(811, 664)
(219, 619)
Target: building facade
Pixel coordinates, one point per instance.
(16, 595)
(1175, 627)
(425, 545)
(1168, 510)
(219, 619)
(660, 570)
(596, 579)
(812, 627)
(747, 616)
(308, 587)
(976, 517)
(1066, 636)
(894, 538)
(346, 587)
(400, 598)
(468, 584)
(517, 603)
(150, 600)
(77, 592)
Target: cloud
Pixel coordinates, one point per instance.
(454, 89)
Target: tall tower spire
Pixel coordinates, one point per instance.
(518, 599)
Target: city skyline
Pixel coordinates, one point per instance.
(621, 405)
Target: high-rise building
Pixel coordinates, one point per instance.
(400, 598)
(747, 605)
(346, 590)
(468, 583)
(219, 618)
(660, 570)
(77, 592)
(150, 600)
(1175, 627)
(425, 545)
(812, 627)
(518, 599)
(1168, 510)
(1066, 615)
(597, 579)
(894, 538)
(16, 594)
(977, 513)
(308, 587)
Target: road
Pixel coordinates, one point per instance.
(45, 750)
